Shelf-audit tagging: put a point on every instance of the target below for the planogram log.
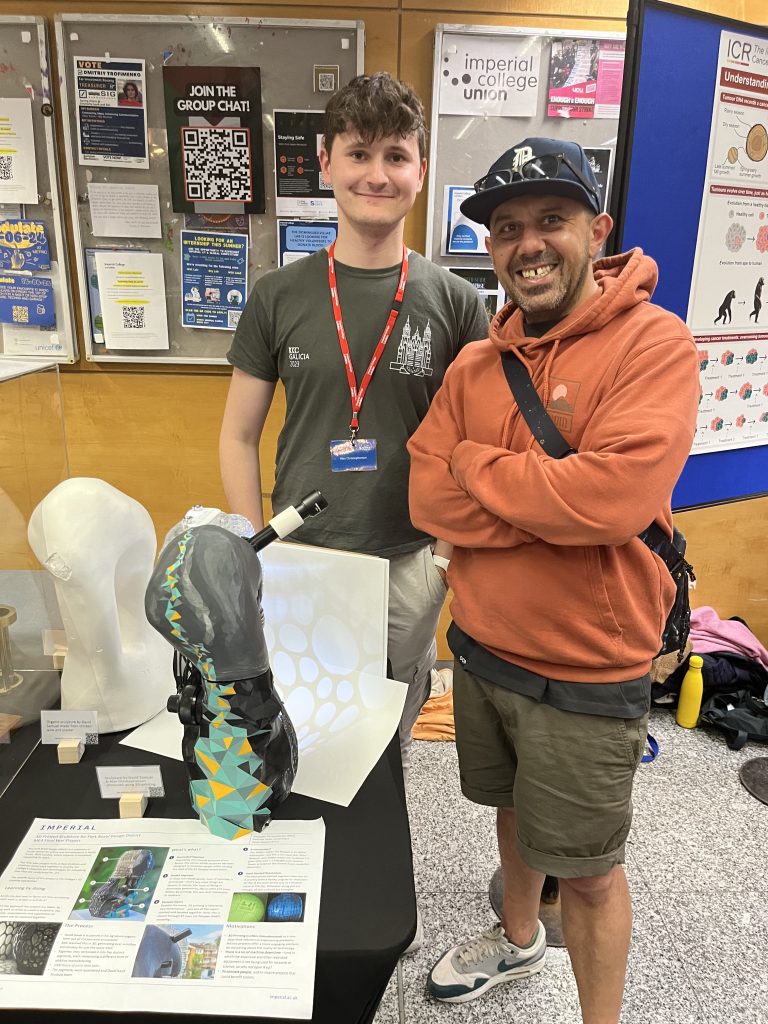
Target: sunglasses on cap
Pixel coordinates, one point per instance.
(540, 168)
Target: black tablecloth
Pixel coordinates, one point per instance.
(368, 907)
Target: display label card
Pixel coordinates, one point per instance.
(23, 245)
(132, 294)
(214, 278)
(299, 186)
(299, 238)
(56, 726)
(111, 113)
(18, 170)
(115, 780)
(124, 211)
(27, 301)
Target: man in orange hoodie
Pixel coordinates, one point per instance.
(558, 607)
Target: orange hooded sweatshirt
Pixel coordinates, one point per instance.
(547, 570)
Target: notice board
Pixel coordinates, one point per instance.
(167, 243)
(494, 86)
(35, 310)
(691, 189)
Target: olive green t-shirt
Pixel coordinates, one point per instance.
(287, 332)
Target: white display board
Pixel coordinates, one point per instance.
(493, 86)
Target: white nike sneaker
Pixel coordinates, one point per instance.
(468, 970)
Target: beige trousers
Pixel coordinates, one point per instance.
(416, 596)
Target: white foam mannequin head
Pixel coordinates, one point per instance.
(99, 545)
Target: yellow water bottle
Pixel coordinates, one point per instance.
(691, 691)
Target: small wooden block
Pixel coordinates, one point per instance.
(70, 751)
(7, 724)
(132, 805)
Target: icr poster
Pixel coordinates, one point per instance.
(726, 310)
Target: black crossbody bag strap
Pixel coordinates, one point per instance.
(531, 406)
(554, 444)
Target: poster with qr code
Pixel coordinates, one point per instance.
(132, 292)
(214, 279)
(27, 301)
(213, 117)
(18, 170)
(299, 187)
(111, 112)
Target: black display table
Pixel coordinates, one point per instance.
(368, 905)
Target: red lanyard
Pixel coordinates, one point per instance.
(358, 394)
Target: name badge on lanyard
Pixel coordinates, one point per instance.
(353, 455)
(358, 454)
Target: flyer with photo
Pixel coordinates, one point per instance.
(18, 170)
(111, 112)
(214, 279)
(158, 915)
(299, 185)
(213, 118)
(585, 78)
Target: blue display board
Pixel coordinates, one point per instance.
(661, 160)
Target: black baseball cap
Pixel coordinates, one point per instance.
(534, 166)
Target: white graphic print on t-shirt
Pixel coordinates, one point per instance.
(414, 353)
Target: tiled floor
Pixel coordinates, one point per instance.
(698, 870)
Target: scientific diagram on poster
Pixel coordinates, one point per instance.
(727, 310)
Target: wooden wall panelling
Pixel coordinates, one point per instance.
(728, 548)
(32, 458)
(571, 9)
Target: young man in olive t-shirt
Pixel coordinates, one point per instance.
(315, 325)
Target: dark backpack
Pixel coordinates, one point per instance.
(740, 715)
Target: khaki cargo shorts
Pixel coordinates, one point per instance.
(568, 775)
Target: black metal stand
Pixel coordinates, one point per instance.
(549, 908)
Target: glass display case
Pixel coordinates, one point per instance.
(33, 460)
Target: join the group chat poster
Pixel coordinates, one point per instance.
(213, 117)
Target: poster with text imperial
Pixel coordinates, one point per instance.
(493, 75)
(727, 310)
(213, 117)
